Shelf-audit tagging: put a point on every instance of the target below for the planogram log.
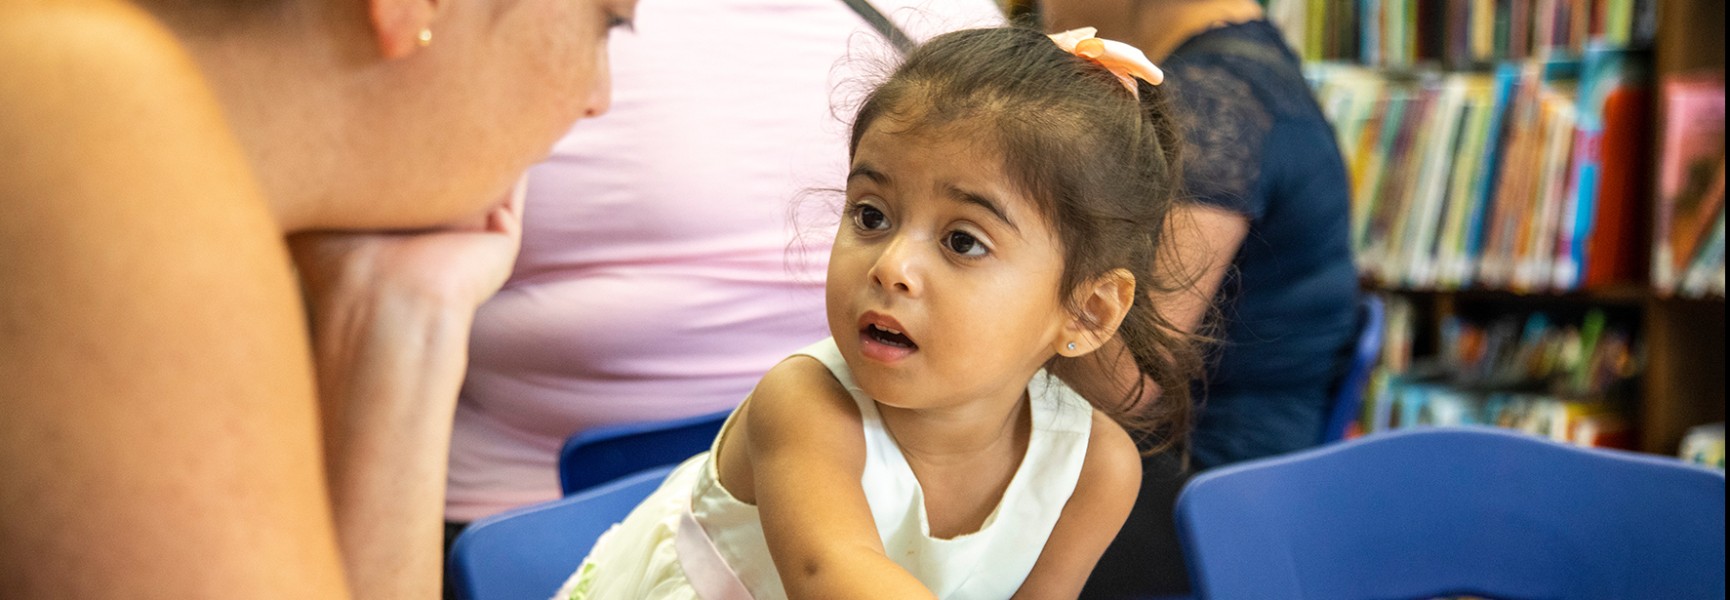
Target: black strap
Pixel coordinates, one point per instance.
(894, 34)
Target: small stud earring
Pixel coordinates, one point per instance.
(425, 37)
(1072, 346)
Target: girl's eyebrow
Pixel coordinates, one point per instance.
(864, 169)
(986, 202)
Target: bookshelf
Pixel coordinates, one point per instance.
(1468, 204)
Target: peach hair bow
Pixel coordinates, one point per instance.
(1123, 60)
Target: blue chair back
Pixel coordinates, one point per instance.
(527, 553)
(602, 454)
(1431, 512)
(1348, 398)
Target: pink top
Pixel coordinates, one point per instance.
(662, 272)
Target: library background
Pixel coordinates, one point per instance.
(1538, 195)
(1538, 200)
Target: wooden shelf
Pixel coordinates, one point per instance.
(1682, 384)
(1683, 339)
(1629, 295)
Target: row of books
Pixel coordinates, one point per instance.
(1688, 234)
(1401, 403)
(1530, 178)
(1568, 380)
(1458, 34)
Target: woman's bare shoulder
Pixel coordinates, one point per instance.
(151, 338)
(58, 46)
(99, 94)
(108, 124)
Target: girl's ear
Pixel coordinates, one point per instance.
(400, 27)
(1104, 302)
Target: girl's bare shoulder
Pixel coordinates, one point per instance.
(1113, 461)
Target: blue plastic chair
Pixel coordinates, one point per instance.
(602, 454)
(527, 553)
(1433, 512)
(1348, 398)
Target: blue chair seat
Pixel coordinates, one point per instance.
(527, 553)
(602, 454)
(1434, 512)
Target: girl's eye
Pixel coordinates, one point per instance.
(619, 22)
(867, 217)
(964, 244)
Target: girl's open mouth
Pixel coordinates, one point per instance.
(889, 337)
(883, 339)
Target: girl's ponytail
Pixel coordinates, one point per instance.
(1159, 406)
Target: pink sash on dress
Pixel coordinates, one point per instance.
(704, 568)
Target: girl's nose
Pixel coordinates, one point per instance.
(897, 268)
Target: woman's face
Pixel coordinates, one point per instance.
(1064, 15)
(500, 82)
(544, 62)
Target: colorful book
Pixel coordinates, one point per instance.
(1536, 252)
(1440, 135)
(1691, 153)
(1452, 263)
(1507, 79)
(1688, 230)
(1709, 261)
(1607, 73)
(1617, 233)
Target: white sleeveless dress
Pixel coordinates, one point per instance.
(692, 539)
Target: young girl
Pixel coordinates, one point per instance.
(1005, 199)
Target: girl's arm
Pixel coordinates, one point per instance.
(158, 431)
(1110, 479)
(807, 452)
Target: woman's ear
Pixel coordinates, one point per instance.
(400, 27)
(1104, 302)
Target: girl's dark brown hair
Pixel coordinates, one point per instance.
(1103, 167)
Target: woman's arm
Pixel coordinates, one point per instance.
(158, 432)
(162, 437)
(391, 315)
(1202, 241)
(807, 452)
(1110, 479)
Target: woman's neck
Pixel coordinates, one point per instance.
(274, 82)
(1160, 27)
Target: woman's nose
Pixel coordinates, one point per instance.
(600, 97)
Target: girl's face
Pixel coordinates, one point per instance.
(943, 283)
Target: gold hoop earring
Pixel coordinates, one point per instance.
(425, 37)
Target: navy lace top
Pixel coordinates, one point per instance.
(1260, 146)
